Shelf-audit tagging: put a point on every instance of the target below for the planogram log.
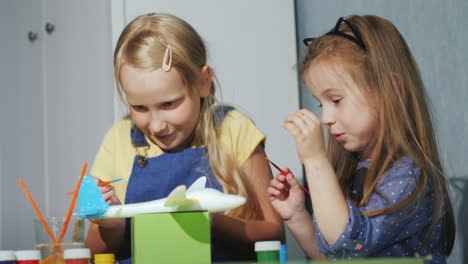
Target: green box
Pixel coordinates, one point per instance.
(182, 237)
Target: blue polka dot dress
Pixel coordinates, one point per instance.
(400, 234)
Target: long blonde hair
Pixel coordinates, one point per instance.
(142, 44)
(387, 68)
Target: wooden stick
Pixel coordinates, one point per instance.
(72, 204)
(39, 214)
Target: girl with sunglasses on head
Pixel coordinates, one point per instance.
(377, 187)
(175, 133)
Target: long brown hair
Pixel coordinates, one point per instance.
(386, 67)
(142, 44)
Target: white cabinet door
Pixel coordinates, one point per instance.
(22, 128)
(79, 88)
(56, 103)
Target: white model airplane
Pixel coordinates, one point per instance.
(196, 198)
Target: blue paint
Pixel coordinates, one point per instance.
(91, 203)
(283, 254)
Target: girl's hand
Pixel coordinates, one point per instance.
(286, 196)
(108, 194)
(307, 131)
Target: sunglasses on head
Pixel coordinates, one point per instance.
(357, 39)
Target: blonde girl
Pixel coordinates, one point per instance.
(174, 135)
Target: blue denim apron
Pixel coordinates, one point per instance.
(154, 178)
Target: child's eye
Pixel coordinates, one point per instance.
(167, 104)
(336, 100)
(139, 108)
(171, 104)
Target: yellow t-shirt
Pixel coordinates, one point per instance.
(238, 136)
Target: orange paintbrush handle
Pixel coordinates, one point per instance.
(72, 203)
(100, 184)
(39, 214)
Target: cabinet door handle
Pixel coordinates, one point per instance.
(32, 36)
(49, 28)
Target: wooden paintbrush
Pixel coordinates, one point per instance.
(283, 172)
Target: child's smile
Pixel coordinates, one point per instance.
(161, 105)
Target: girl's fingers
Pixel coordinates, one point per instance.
(291, 117)
(97, 181)
(276, 184)
(302, 118)
(299, 123)
(280, 177)
(106, 188)
(273, 192)
(280, 186)
(308, 121)
(108, 195)
(292, 181)
(287, 170)
(292, 128)
(308, 115)
(297, 120)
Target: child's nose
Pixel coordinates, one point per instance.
(157, 125)
(327, 117)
